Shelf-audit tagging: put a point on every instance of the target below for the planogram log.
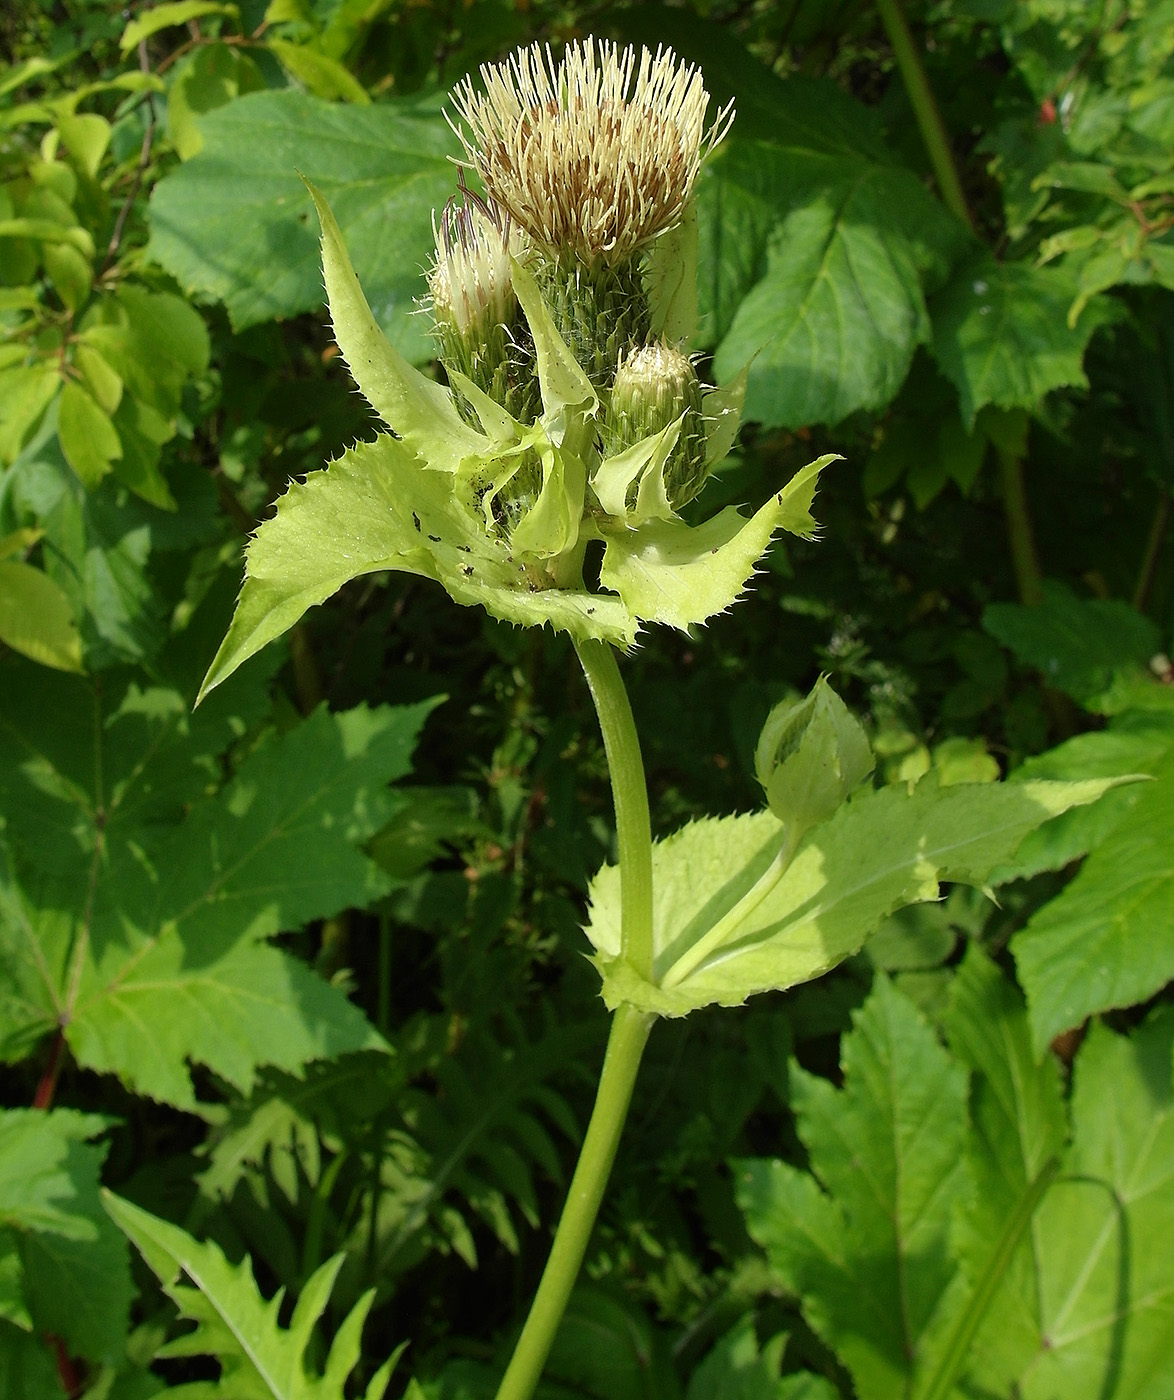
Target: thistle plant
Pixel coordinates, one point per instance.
(563, 295)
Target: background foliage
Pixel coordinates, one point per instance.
(292, 997)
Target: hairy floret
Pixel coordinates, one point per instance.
(594, 155)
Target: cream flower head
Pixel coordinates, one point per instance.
(586, 160)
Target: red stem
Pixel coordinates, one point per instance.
(43, 1098)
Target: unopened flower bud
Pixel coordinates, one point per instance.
(654, 386)
(478, 324)
(812, 754)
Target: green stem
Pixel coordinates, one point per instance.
(625, 1046)
(630, 795)
(1153, 550)
(971, 1320)
(729, 921)
(1024, 556)
(925, 109)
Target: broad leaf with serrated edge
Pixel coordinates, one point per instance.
(837, 307)
(868, 1255)
(71, 1266)
(1001, 335)
(881, 850)
(1105, 940)
(1020, 1131)
(236, 222)
(259, 1359)
(1104, 1284)
(134, 906)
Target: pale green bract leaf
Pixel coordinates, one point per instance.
(415, 407)
(359, 516)
(564, 385)
(616, 474)
(722, 409)
(672, 280)
(881, 850)
(259, 1359)
(678, 574)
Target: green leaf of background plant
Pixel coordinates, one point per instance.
(235, 222)
(1020, 1127)
(1106, 1302)
(1001, 335)
(1104, 941)
(259, 1359)
(142, 930)
(837, 305)
(868, 1256)
(73, 1266)
(883, 849)
(1077, 644)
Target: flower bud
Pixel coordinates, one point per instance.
(479, 328)
(811, 755)
(654, 386)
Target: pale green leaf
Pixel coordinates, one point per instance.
(36, 619)
(74, 1270)
(1105, 941)
(679, 575)
(86, 136)
(88, 438)
(1135, 742)
(868, 1256)
(236, 222)
(318, 73)
(26, 391)
(1001, 335)
(169, 15)
(415, 407)
(881, 850)
(378, 508)
(259, 1359)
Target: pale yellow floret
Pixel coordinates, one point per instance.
(595, 155)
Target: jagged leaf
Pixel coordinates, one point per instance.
(737, 1369)
(679, 575)
(377, 508)
(236, 222)
(416, 408)
(134, 902)
(68, 1264)
(881, 850)
(868, 1255)
(1105, 940)
(259, 1359)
